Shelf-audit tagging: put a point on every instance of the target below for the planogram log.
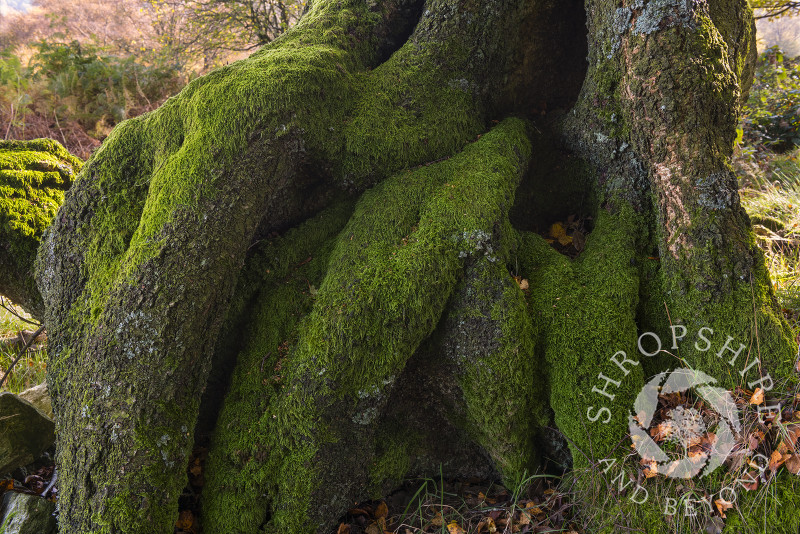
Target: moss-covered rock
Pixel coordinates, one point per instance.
(33, 178)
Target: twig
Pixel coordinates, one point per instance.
(15, 314)
(63, 138)
(22, 352)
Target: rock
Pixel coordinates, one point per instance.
(40, 398)
(26, 514)
(25, 433)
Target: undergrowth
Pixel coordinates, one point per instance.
(31, 368)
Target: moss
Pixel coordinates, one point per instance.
(491, 340)
(388, 279)
(33, 178)
(235, 500)
(393, 460)
(177, 196)
(585, 312)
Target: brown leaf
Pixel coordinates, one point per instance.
(757, 397)
(661, 431)
(344, 528)
(749, 481)
(755, 439)
(487, 523)
(381, 511)
(793, 464)
(373, 528)
(650, 469)
(185, 520)
(454, 528)
(578, 240)
(723, 505)
(437, 520)
(776, 460)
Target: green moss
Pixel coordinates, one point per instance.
(388, 279)
(585, 312)
(235, 500)
(491, 340)
(33, 178)
(393, 460)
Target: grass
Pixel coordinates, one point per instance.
(31, 368)
(771, 196)
(441, 506)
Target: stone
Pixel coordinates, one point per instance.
(25, 433)
(26, 514)
(40, 398)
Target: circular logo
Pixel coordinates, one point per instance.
(695, 447)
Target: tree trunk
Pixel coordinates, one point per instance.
(265, 262)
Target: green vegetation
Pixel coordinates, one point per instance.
(31, 368)
(768, 164)
(71, 86)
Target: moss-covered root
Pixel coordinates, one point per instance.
(138, 270)
(33, 178)
(390, 275)
(489, 341)
(585, 311)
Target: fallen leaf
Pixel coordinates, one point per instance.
(454, 528)
(185, 520)
(437, 520)
(757, 397)
(487, 524)
(749, 482)
(578, 240)
(755, 440)
(723, 505)
(776, 460)
(344, 528)
(381, 511)
(793, 464)
(650, 468)
(558, 231)
(373, 528)
(661, 431)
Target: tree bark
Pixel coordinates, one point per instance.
(265, 263)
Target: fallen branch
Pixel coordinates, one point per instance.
(13, 312)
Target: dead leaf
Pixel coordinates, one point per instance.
(757, 397)
(558, 231)
(578, 240)
(755, 439)
(381, 511)
(793, 464)
(723, 505)
(776, 460)
(749, 482)
(661, 431)
(650, 468)
(437, 520)
(454, 528)
(344, 528)
(373, 528)
(185, 520)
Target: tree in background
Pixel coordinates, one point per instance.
(775, 8)
(209, 28)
